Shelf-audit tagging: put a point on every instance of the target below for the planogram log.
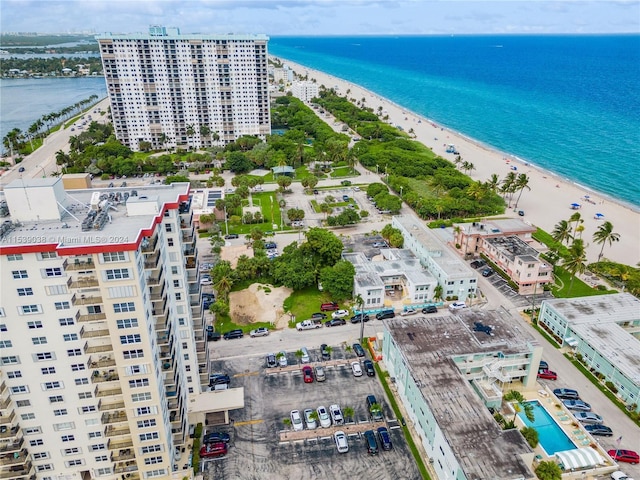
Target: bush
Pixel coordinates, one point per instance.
(530, 434)
(611, 386)
(197, 435)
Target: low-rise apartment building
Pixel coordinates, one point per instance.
(305, 90)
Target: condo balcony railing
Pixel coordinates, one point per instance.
(78, 264)
(101, 362)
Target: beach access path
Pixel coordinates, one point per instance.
(550, 198)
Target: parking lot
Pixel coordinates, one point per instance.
(263, 445)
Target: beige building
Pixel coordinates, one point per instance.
(102, 341)
(188, 91)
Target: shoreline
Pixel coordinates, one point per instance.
(550, 192)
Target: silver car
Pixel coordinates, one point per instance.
(296, 420)
(323, 417)
(588, 417)
(282, 359)
(309, 419)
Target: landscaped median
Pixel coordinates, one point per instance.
(349, 428)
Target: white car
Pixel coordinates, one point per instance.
(620, 476)
(457, 306)
(296, 420)
(309, 420)
(341, 441)
(340, 314)
(336, 414)
(408, 311)
(357, 369)
(323, 417)
(282, 359)
(206, 281)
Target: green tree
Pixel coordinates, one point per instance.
(577, 219)
(575, 261)
(548, 471)
(562, 232)
(348, 412)
(530, 434)
(338, 280)
(522, 182)
(386, 201)
(323, 246)
(295, 214)
(284, 182)
(176, 179)
(375, 188)
(605, 234)
(238, 162)
(493, 183)
(437, 292)
(519, 405)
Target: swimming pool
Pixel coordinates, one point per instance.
(552, 438)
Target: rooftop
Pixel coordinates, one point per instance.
(598, 321)
(506, 226)
(395, 262)
(483, 449)
(513, 246)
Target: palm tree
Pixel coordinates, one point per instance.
(191, 131)
(575, 260)
(562, 232)
(476, 190)
(508, 184)
(223, 287)
(577, 219)
(437, 292)
(519, 405)
(493, 183)
(522, 182)
(605, 234)
(348, 412)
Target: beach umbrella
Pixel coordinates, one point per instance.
(575, 205)
(598, 216)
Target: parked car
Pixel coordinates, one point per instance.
(315, 191)
(320, 376)
(358, 350)
(231, 236)
(259, 332)
(214, 437)
(336, 322)
(336, 414)
(385, 314)
(319, 315)
(430, 309)
(232, 334)
(341, 441)
(329, 307)
(212, 450)
(309, 419)
(219, 379)
(360, 317)
(21, 169)
(588, 417)
(599, 430)
(323, 417)
(385, 438)
(368, 368)
(380, 245)
(577, 405)
(304, 358)
(478, 263)
(627, 456)
(205, 281)
(356, 368)
(282, 359)
(340, 314)
(457, 306)
(566, 394)
(543, 365)
(307, 374)
(370, 442)
(271, 360)
(296, 420)
(408, 311)
(270, 245)
(548, 375)
(374, 408)
(521, 213)
(324, 352)
(487, 272)
(618, 475)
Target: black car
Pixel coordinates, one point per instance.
(600, 430)
(357, 348)
(215, 437)
(219, 379)
(487, 272)
(231, 236)
(360, 317)
(543, 365)
(270, 245)
(385, 314)
(385, 439)
(232, 334)
(319, 315)
(324, 351)
(271, 361)
(430, 309)
(315, 192)
(335, 322)
(478, 263)
(211, 335)
(566, 394)
(368, 367)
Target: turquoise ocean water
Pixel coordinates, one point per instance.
(568, 104)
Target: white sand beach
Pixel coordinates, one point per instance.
(550, 197)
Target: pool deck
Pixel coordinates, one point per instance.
(574, 430)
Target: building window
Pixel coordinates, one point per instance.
(168, 227)
(65, 322)
(23, 292)
(170, 242)
(127, 339)
(19, 389)
(117, 274)
(95, 434)
(5, 344)
(127, 323)
(60, 412)
(124, 307)
(36, 443)
(3, 327)
(147, 423)
(85, 395)
(48, 370)
(52, 385)
(152, 460)
(39, 340)
(69, 337)
(140, 382)
(145, 437)
(28, 416)
(56, 399)
(47, 255)
(14, 374)
(76, 352)
(102, 458)
(81, 381)
(53, 272)
(89, 409)
(174, 270)
(67, 438)
(32, 430)
(40, 456)
(74, 463)
(29, 309)
(141, 397)
(129, 354)
(113, 257)
(78, 366)
(14, 257)
(156, 473)
(36, 324)
(62, 305)
(44, 468)
(45, 356)
(71, 451)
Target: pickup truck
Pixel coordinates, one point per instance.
(309, 324)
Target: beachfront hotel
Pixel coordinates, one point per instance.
(189, 91)
(448, 371)
(102, 342)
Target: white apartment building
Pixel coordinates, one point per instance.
(283, 75)
(101, 332)
(454, 276)
(305, 91)
(191, 91)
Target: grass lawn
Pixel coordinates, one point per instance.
(224, 324)
(305, 302)
(268, 178)
(344, 172)
(579, 289)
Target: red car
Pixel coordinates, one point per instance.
(548, 374)
(628, 456)
(307, 374)
(211, 450)
(329, 307)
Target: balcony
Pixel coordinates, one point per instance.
(7, 419)
(100, 377)
(82, 282)
(168, 379)
(127, 467)
(165, 352)
(155, 281)
(173, 404)
(17, 472)
(9, 432)
(101, 362)
(115, 417)
(107, 347)
(106, 406)
(156, 293)
(79, 265)
(91, 317)
(18, 458)
(149, 246)
(122, 455)
(120, 444)
(4, 404)
(12, 446)
(151, 261)
(86, 299)
(112, 431)
(87, 333)
(99, 393)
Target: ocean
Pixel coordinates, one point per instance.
(568, 104)
(24, 100)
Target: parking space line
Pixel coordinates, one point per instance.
(248, 422)
(248, 374)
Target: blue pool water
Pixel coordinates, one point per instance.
(552, 438)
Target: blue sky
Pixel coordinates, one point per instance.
(323, 17)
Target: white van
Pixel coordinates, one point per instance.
(305, 355)
(341, 441)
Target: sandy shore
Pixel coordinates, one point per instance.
(550, 197)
